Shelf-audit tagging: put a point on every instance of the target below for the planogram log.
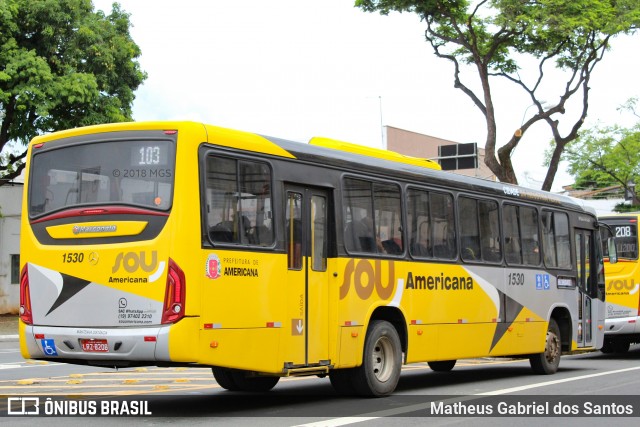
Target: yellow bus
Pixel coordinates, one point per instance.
(622, 323)
(185, 244)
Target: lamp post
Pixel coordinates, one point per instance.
(630, 193)
(384, 146)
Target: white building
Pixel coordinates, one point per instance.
(10, 210)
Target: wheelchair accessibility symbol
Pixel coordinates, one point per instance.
(49, 347)
(542, 282)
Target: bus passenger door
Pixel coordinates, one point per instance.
(587, 286)
(307, 288)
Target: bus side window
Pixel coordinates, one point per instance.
(443, 225)
(470, 233)
(422, 246)
(221, 232)
(555, 237)
(512, 246)
(373, 217)
(294, 230)
(420, 240)
(359, 230)
(238, 201)
(351, 240)
(319, 241)
(530, 235)
(388, 234)
(521, 235)
(490, 231)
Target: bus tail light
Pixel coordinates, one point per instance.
(174, 297)
(25, 298)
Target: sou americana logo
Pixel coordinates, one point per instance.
(132, 263)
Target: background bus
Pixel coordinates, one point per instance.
(622, 324)
(178, 243)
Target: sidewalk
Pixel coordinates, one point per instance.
(8, 327)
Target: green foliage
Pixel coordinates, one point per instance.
(624, 208)
(601, 157)
(62, 65)
(493, 36)
(500, 28)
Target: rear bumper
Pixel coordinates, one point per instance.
(149, 344)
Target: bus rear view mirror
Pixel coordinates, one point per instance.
(613, 255)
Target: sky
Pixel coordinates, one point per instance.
(295, 69)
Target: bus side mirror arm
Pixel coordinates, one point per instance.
(613, 255)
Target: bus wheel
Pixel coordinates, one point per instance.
(442, 365)
(341, 381)
(255, 384)
(547, 362)
(224, 378)
(381, 361)
(607, 347)
(621, 346)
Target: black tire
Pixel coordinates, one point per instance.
(342, 381)
(547, 362)
(607, 347)
(381, 361)
(442, 365)
(621, 346)
(224, 378)
(253, 384)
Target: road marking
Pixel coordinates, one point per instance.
(116, 383)
(546, 383)
(135, 381)
(424, 406)
(9, 366)
(14, 365)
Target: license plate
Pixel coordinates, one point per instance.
(94, 346)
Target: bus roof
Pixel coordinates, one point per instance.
(622, 215)
(337, 154)
(392, 168)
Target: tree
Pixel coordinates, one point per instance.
(495, 36)
(62, 65)
(606, 156)
(601, 157)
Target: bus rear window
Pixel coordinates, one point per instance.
(127, 172)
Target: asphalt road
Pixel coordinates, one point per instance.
(8, 327)
(191, 396)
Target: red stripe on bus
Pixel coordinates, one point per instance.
(108, 210)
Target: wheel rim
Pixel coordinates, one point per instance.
(382, 359)
(552, 352)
